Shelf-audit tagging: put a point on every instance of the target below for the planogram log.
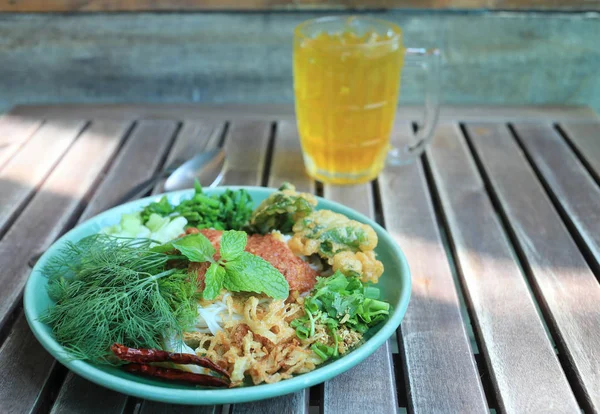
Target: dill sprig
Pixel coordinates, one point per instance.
(109, 289)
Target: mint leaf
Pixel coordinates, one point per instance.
(213, 281)
(232, 244)
(164, 248)
(250, 273)
(196, 247)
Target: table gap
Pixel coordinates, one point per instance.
(319, 188)
(466, 310)
(133, 405)
(377, 207)
(315, 398)
(11, 220)
(486, 382)
(401, 387)
(583, 247)
(223, 134)
(264, 182)
(582, 159)
(318, 390)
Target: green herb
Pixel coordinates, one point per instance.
(229, 210)
(196, 247)
(214, 280)
(250, 273)
(338, 298)
(109, 289)
(237, 270)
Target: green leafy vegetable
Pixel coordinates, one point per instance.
(229, 210)
(215, 276)
(196, 247)
(338, 299)
(233, 244)
(236, 270)
(250, 273)
(110, 289)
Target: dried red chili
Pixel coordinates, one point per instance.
(145, 356)
(177, 375)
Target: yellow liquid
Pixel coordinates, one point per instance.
(346, 89)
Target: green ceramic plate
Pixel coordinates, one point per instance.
(395, 287)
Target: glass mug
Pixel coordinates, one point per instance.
(346, 85)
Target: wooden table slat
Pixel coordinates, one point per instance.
(586, 139)
(287, 163)
(525, 371)
(442, 374)
(43, 149)
(14, 133)
(25, 365)
(370, 386)
(570, 184)
(78, 395)
(40, 223)
(25, 171)
(246, 145)
(137, 160)
(153, 407)
(295, 403)
(567, 286)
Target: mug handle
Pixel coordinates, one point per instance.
(429, 61)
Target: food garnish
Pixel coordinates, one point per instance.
(113, 290)
(236, 270)
(335, 301)
(125, 353)
(229, 210)
(173, 374)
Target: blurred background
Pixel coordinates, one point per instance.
(510, 52)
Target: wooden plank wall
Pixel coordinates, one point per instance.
(251, 5)
(488, 58)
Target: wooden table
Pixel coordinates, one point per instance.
(500, 221)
